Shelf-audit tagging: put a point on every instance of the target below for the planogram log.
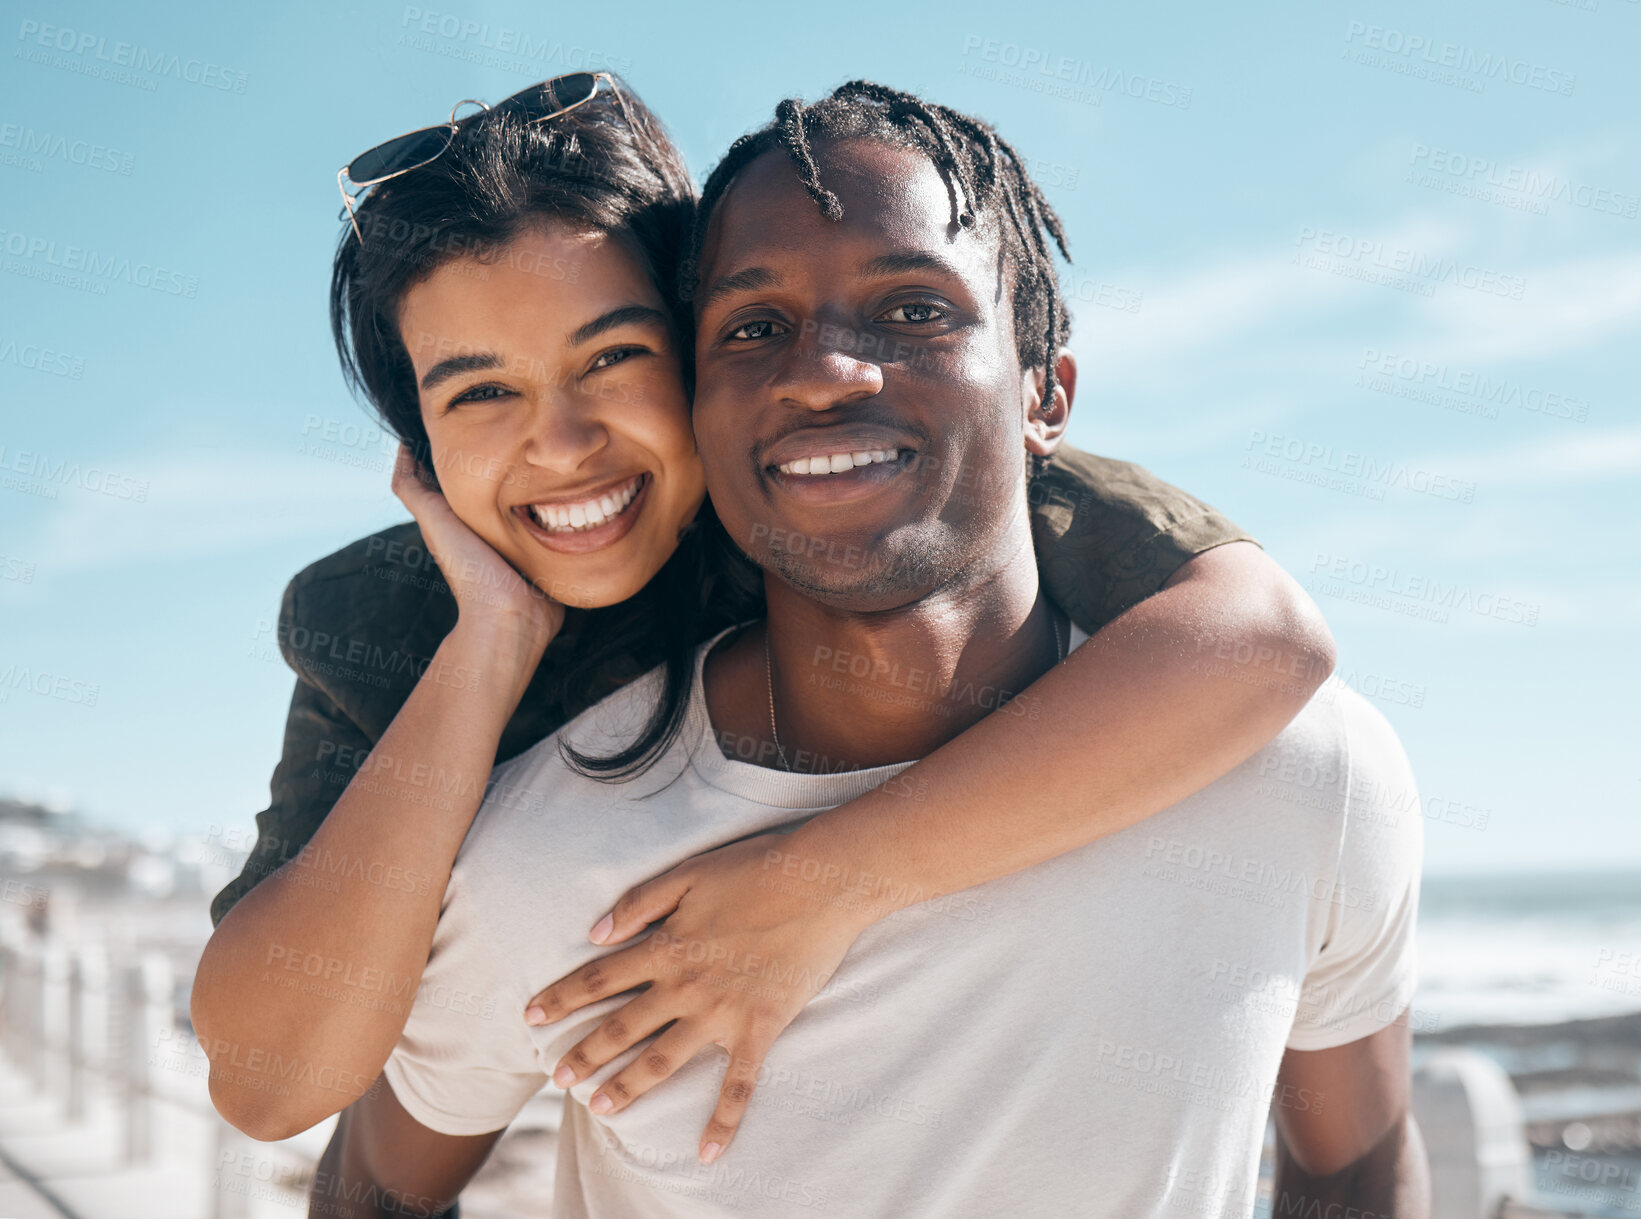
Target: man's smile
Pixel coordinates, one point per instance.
(838, 463)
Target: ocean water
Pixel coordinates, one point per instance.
(1528, 949)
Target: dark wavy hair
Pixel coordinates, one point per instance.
(608, 166)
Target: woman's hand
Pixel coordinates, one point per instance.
(743, 949)
(486, 588)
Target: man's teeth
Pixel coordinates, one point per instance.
(837, 463)
(590, 514)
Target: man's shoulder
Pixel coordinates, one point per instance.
(1341, 761)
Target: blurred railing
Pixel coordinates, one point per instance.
(104, 1038)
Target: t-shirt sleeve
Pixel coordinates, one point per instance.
(1363, 977)
(1109, 533)
(465, 1063)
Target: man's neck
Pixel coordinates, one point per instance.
(851, 690)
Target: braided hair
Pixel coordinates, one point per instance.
(985, 177)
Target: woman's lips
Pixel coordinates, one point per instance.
(581, 539)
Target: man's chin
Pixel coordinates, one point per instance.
(860, 578)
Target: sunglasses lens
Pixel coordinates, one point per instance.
(398, 155)
(552, 96)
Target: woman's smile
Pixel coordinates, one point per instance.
(588, 522)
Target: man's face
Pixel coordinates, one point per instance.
(825, 346)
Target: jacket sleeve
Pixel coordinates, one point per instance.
(1109, 533)
(322, 749)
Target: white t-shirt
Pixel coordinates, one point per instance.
(1099, 1034)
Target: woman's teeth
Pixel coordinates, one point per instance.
(589, 514)
(838, 463)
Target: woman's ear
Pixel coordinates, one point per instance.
(1045, 421)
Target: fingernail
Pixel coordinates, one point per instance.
(601, 1104)
(534, 1015)
(601, 930)
(563, 1077)
(709, 1153)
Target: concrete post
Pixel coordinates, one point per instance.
(1471, 1120)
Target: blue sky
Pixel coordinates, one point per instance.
(1366, 277)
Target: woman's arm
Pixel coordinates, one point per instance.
(308, 980)
(1168, 697)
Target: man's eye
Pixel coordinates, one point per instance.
(480, 393)
(755, 330)
(914, 311)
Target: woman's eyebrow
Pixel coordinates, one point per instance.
(626, 315)
(455, 366)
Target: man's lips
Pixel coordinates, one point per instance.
(857, 443)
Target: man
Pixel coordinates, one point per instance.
(1104, 1033)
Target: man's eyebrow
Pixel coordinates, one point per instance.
(900, 264)
(626, 315)
(455, 366)
(749, 280)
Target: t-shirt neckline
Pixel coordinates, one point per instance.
(765, 785)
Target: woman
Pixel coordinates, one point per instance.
(508, 308)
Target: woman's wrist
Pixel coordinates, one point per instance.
(491, 654)
(841, 874)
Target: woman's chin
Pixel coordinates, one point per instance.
(589, 589)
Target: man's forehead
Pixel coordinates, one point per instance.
(895, 202)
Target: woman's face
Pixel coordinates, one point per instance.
(553, 396)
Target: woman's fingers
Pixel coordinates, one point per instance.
(595, 980)
(740, 1080)
(407, 475)
(640, 906)
(621, 1030)
(671, 1050)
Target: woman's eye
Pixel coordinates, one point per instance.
(616, 355)
(480, 393)
(915, 311)
(754, 330)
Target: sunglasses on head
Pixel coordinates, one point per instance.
(538, 103)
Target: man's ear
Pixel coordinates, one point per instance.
(1045, 421)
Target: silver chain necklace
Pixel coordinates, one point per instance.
(769, 674)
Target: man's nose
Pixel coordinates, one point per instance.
(827, 368)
